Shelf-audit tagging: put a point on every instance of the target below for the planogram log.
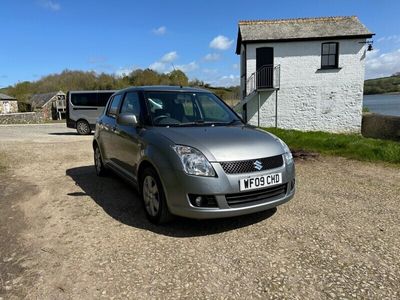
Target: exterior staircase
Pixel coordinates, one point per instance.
(265, 79)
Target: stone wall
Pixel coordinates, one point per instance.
(381, 127)
(22, 118)
(310, 98)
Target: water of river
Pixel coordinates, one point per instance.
(383, 104)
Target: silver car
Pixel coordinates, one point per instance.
(189, 154)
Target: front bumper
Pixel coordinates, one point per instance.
(178, 185)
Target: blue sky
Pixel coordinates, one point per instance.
(40, 37)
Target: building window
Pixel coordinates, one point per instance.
(329, 55)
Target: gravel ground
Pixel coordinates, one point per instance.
(66, 234)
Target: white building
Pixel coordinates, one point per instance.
(305, 74)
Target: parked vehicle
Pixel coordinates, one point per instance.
(83, 109)
(191, 155)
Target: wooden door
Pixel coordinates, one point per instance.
(265, 67)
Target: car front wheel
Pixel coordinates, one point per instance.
(154, 198)
(98, 162)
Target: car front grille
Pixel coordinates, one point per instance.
(252, 165)
(239, 199)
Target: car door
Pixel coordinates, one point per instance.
(127, 137)
(108, 128)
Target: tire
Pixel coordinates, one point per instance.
(152, 192)
(83, 127)
(98, 162)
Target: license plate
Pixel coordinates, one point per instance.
(257, 182)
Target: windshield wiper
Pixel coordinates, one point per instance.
(200, 123)
(205, 123)
(226, 123)
(232, 122)
(196, 122)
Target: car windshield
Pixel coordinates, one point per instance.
(188, 109)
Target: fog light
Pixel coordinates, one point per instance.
(203, 200)
(198, 201)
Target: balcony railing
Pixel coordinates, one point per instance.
(265, 78)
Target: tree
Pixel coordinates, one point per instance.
(177, 77)
(80, 80)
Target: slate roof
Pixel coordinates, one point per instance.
(301, 29)
(6, 97)
(39, 100)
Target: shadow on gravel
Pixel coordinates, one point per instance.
(122, 202)
(67, 133)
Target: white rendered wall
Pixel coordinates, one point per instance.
(311, 99)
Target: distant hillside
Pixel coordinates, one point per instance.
(80, 80)
(382, 85)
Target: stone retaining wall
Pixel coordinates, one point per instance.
(381, 127)
(22, 118)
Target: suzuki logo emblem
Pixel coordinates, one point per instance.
(258, 165)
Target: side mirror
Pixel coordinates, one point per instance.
(127, 119)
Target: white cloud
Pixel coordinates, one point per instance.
(166, 67)
(187, 68)
(50, 4)
(169, 57)
(160, 30)
(226, 81)
(380, 65)
(97, 59)
(209, 71)
(160, 67)
(212, 57)
(124, 71)
(235, 66)
(164, 64)
(391, 38)
(221, 42)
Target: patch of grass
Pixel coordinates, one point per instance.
(347, 145)
(2, 163)
(365, 109)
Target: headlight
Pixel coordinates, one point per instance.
(194, 162)
(287, 153)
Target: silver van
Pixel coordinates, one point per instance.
(84, 107)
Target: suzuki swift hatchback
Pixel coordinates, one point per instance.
(189, 154)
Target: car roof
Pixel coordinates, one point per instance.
(164, 88)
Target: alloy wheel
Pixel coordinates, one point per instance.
(83, 128)
(151, 195)
(97, 160)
